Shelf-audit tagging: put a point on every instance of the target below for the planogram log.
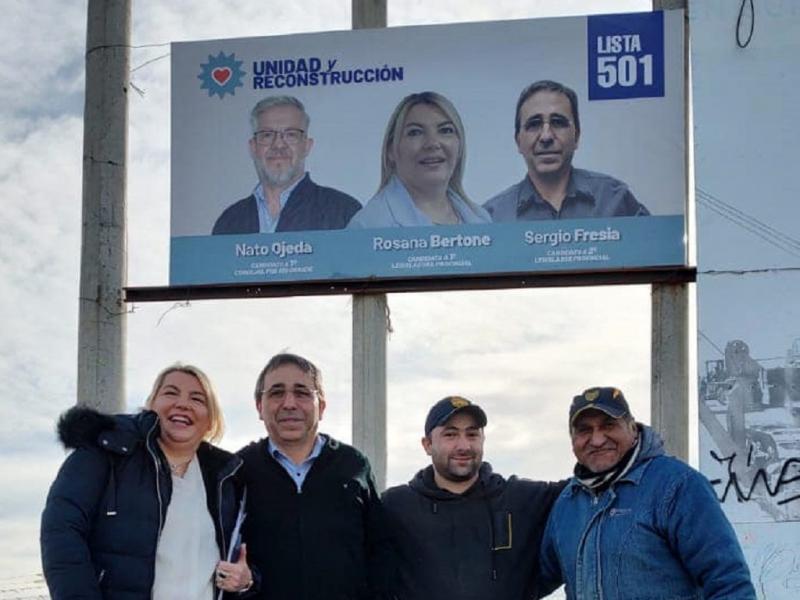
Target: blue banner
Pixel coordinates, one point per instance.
(577, 245)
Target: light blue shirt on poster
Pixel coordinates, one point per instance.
(393, 206)
(266, 224)
(297, 472)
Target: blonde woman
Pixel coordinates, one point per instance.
(145, 505)
(422, 164)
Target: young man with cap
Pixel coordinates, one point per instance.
(634, 522)
(461, 531)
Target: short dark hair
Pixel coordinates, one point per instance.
(286, 358)
(546, 85)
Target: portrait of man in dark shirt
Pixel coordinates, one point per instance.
(285, 198)
(547, 131)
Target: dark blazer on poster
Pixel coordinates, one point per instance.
(310, 207)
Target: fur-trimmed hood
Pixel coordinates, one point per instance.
(81, 427)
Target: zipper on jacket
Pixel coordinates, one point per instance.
(158, 483)
(111, 506)
(219, 510)
(158, 489)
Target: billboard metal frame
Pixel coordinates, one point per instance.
(674, 275)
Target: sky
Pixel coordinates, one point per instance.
(520, 354)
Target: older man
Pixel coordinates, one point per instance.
(461, 531)
(314, 525)
(547, 129)
(635, 523)
(285, 198)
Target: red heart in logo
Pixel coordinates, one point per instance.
(221, 75)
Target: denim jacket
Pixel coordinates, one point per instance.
(658, 533)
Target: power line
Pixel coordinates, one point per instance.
(739, 216)
(758, 228)
(710, 341)
(147, 62)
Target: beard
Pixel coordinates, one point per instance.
(458, 472)
(279, 177)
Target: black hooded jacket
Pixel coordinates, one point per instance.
(479, 545)
(107, 506)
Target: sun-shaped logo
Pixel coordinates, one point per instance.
(458, 402)
(221, 75)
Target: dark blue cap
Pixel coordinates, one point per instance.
(445, 408)
(610, 400)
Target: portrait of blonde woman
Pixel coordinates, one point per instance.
(422, 166)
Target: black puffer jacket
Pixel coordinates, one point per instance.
(479, 545)
(106, 508)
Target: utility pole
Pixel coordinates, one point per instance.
(102, 315)
(669, 399)
(370, 324)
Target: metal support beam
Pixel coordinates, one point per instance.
(102, 313)
(489, 281)
(369, 328)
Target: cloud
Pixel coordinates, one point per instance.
(43, 78)
(39, 245)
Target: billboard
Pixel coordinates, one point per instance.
(400, 153)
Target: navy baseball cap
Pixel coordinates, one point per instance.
(610, 400)
(447, 407)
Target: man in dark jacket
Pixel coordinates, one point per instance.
(314, 524)
(285, 198)
(462, 531)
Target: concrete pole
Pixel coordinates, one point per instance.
(102, 317)
(669, 401)
(369, 328)
(369, 380)
(369, 14)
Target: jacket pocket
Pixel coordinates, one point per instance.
(502, 530)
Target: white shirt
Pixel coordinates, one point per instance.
(187, 552)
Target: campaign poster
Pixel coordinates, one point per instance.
(401, 152)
